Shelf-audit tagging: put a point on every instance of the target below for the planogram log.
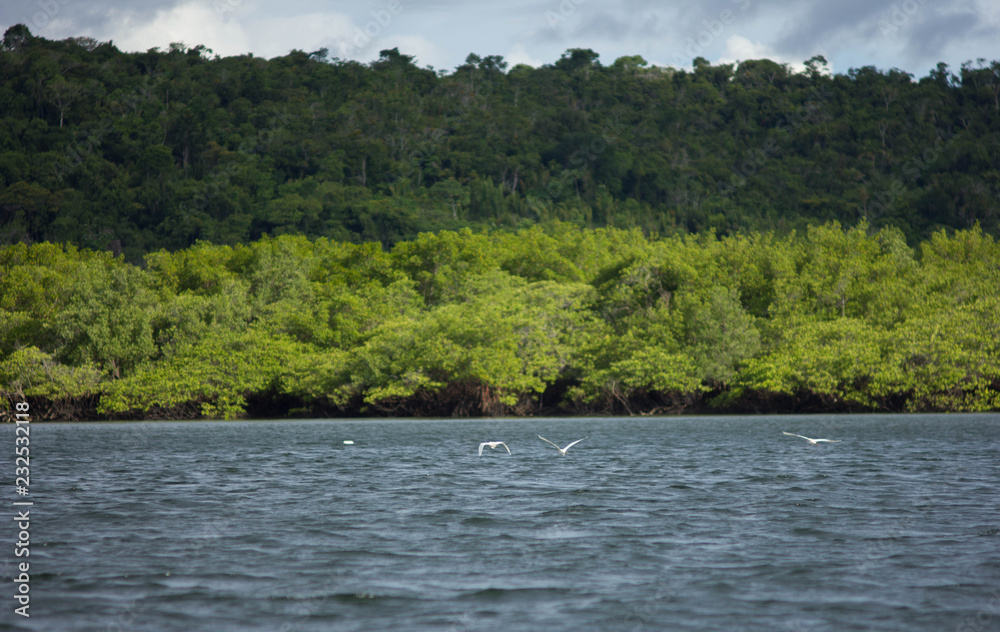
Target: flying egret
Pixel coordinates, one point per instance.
(561, 450)
(812, 441)
(493, 446)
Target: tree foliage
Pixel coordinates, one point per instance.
(547, 318)
(134, 152)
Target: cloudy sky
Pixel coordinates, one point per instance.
(913, 35)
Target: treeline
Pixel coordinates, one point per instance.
(137, 151)
(544, 319)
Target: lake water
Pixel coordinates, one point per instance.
(696, 523)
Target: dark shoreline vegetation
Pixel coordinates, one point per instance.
(549, 319)
(185, 236)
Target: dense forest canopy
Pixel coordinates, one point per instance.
(185, 235)
(552, 318)
(137, 151)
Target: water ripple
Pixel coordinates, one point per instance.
(680, 524)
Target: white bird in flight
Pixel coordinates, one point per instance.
(493, 446)
(561, 450)
(812, 441)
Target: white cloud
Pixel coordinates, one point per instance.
(277, 35)
(739, 48)
(192, 23)
(427, 53)
(519, 55)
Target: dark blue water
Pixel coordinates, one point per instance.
(649, 523)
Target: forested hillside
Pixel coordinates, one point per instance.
(551, 318)
(136, 151)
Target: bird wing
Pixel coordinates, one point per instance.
(795, 435)
(829, 440)
(549, 442)
(573, 444)
(481, 448)
(505, 445)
